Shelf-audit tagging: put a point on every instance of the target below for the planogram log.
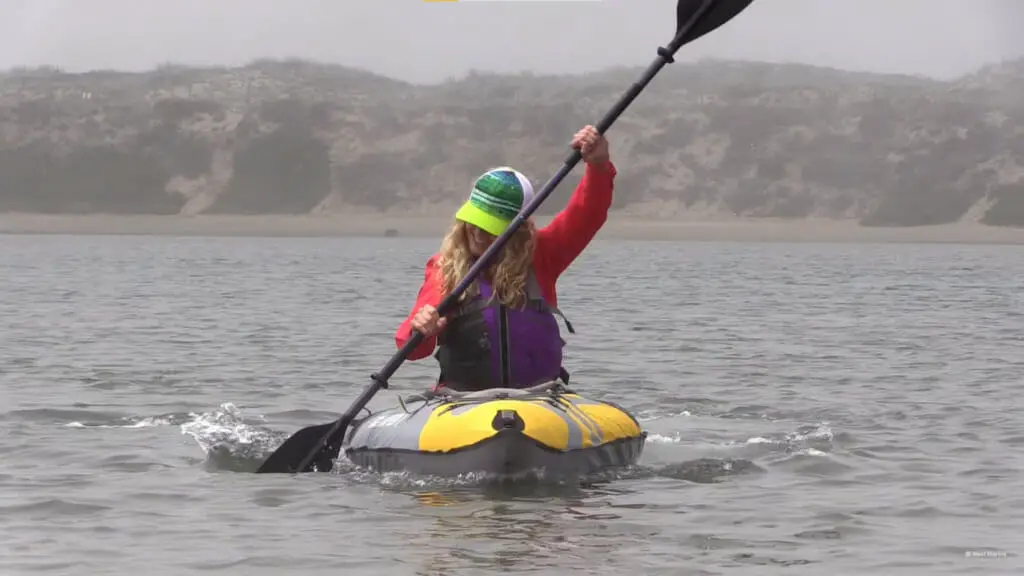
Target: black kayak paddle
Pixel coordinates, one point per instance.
(316, 447)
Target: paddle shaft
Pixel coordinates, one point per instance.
(332, 439)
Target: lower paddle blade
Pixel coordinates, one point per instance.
(289, 456)
(720, 12)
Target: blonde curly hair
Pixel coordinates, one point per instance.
(507, 272)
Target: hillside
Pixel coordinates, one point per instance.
(706, 139)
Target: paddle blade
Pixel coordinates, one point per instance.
(720, 12)
(289, 456)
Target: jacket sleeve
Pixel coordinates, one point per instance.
(572, 229)
(430, 293)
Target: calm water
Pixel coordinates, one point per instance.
(843, 409)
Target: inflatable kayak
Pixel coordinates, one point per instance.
(502, 432)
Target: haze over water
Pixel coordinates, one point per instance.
(844, 409)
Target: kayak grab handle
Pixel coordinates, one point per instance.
(508, 420)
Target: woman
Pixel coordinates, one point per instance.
(504, 332)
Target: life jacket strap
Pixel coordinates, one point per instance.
(536, 305)
(504, 348)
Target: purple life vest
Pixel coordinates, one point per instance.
(488, 345)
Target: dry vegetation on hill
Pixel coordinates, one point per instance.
(293, 137)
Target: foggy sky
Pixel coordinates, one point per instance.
(424, 42)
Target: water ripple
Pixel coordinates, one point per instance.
(846, 409)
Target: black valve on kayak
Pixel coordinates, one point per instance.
(508, 420)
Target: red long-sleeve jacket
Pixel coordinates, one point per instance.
(555, 248)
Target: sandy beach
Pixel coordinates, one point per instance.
(617, 228)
